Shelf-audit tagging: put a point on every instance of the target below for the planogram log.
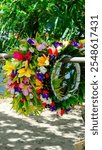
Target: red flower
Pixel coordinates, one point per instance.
(35, 76)
(39, 98)
(62, 112)
(38, 91)
(17, 55)
(80, 46)
(44, 104)
(52, 104)
(27, 56)
(52, 51)
(74, 40)
(45, 92)
(14, 84)
(12, 75)
(47, 75)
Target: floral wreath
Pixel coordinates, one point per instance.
(31, 76)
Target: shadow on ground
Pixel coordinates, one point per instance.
(46, 132)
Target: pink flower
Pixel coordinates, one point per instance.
(9, 81)
(25, 80)
(9, 87)
(17, 55)
(40, 47)
(26, 89)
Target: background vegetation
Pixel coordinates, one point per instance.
(59, 18)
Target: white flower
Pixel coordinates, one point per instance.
(31, 96)
(43, 70)
(23, 48)
(16, 94)
(45, 100)
(66, 43)
(59, 49)
(31, 49)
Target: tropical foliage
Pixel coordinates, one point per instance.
(64, 18)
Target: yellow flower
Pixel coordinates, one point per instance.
(82, 41)
(43, 61)
(8, 67)
(39, 84)
(25, 71)
(66, 43)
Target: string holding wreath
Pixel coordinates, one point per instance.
(38, 76)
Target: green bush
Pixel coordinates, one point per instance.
(52, 16)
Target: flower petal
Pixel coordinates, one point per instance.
(25, 92)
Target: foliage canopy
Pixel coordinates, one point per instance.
(52, 16)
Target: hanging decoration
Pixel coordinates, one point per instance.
(38, 77)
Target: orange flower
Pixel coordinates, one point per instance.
(39, 84)
(43, 61)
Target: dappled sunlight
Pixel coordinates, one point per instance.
(19, 131)
(45, 132)
(27, 147)
(5, 124)
(52, 148)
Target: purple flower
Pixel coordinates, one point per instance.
(53, 108)
(14, 73)
(17, 89)
(40, 76)
(52, 57)
(45, 95)
(75, 44)
(68, 109)
(31, 41)
(40, 47)
(56, 44)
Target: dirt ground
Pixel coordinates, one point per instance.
(46, 132)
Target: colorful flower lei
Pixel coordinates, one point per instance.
(28, 76)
